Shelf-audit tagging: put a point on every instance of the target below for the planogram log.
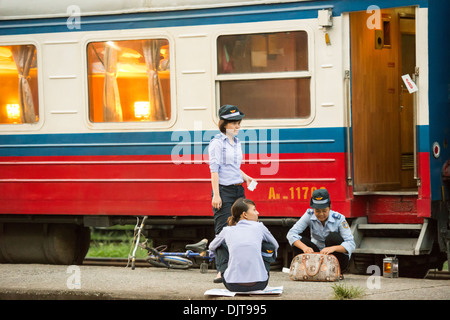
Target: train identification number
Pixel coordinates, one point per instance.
(293, 193)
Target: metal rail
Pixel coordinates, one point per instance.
(113, 262)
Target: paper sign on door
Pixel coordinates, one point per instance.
(410, 85)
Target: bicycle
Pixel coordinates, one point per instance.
(172, 260)
(180, 260)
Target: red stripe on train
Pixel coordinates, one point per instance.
(159, 186)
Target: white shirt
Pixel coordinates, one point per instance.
(225, 158)
(244, 242)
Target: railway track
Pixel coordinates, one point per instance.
(113, 262)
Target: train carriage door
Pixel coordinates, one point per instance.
(382, 50)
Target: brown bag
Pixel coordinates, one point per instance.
(314, 267)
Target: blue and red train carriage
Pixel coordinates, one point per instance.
(106, 114)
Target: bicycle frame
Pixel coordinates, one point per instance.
(136, 238)
(178, 260)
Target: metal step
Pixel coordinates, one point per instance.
(389, 245)
(389, 226)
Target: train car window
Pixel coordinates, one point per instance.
(19, 101)
(129, 81)
(265, 74)
(266, 52)
(268, 99)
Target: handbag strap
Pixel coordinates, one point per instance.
(318, 267)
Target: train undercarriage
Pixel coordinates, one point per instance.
(66, 239)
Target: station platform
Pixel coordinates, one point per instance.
(57, 282)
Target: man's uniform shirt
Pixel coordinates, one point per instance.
(335, 223)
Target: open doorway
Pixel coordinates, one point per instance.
(382, 109)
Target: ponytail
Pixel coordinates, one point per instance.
(240, 206)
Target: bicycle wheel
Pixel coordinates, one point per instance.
(173, 262)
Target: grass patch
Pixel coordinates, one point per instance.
(113, 242)
(113, 250)
(342, 291)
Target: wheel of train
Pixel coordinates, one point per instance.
(47, 243)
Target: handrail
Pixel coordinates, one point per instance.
(415, 78)
(348, 125)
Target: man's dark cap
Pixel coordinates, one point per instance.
(320, 199)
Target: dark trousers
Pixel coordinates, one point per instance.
(228, 194)
(239, 287)
(222, 256)
(333, 239)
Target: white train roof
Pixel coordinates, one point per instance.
(32, 9)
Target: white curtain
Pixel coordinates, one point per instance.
(23, 57)
(112, 110)
(151, 50)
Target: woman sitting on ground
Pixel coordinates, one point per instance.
(244, 249)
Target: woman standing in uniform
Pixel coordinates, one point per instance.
(225, 157)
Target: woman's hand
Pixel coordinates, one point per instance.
(249, 180)
(217, 202)
(246, 178)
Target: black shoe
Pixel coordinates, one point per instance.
(218, 280)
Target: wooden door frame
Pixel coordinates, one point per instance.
(352, 175)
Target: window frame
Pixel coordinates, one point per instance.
(129, 125)
(8, 127)
(281, 122)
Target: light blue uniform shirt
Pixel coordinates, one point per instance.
(244, 242)
(335, 223)
(226, 159)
